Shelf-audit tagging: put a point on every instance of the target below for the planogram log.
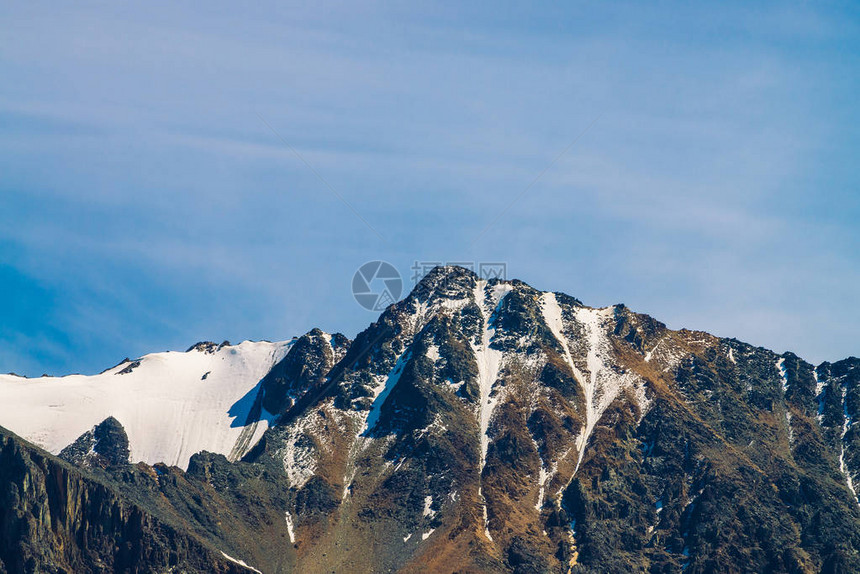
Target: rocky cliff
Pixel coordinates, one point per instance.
(56, 518)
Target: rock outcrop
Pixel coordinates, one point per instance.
(55, 518)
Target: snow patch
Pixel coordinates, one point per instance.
(820, 394)
(302, 439)
(484, 512)
(543, 477)
(428, 511)
(433, 353)
(299, 456)
(783, 373)
(669, 355)
(846, 472)
(454, 386)
(542, 482)
(650, 353)
(382, 391)
(290, 529)
(553, 318)
(239, 562)
(427, 534)
(846, 426)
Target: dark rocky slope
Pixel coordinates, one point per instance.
(56, 518)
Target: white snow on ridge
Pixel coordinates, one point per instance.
(668, 355)
(167, 408)
(605, 384)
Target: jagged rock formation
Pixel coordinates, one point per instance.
(489, 427)
(104, 446)
(309, 359)
(55, 518)
(208, 347)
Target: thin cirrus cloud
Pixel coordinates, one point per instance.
(145, 205)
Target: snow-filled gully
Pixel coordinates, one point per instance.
(489, 364)
(602, 385)
(846, 426)
(553, 317)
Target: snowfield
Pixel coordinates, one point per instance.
(172, 404)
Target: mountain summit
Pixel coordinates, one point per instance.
(476, 426)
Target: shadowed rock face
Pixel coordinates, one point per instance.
(490, 427)
(106, 445)
(309, 359)
(55, 518)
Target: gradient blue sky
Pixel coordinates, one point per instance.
(145, 206)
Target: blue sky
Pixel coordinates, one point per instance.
(144, 204)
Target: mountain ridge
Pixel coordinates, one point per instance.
(486, 426)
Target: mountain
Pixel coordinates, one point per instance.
(476, 426)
